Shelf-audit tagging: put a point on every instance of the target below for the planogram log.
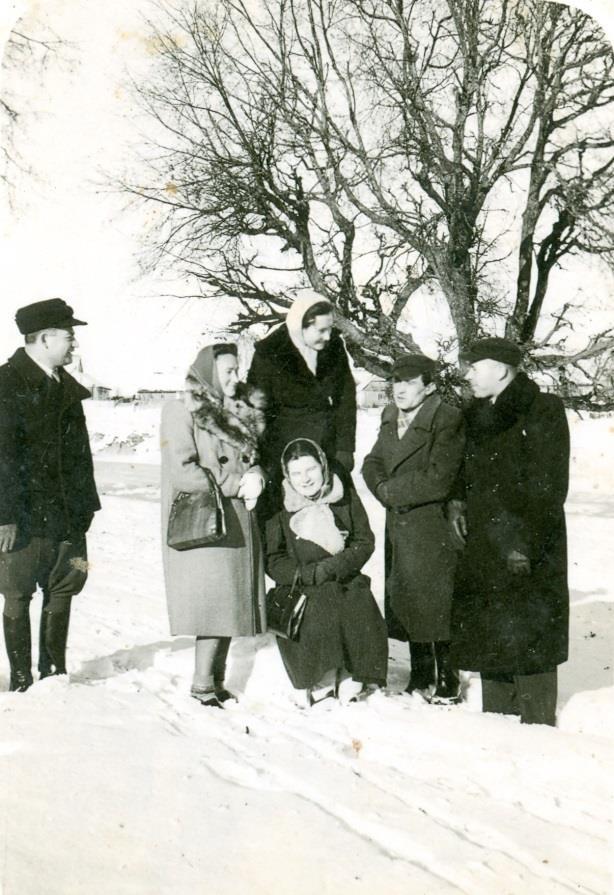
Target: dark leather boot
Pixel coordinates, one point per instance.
(52, 642)
(447, 691)
(19, 649)
(422, 674)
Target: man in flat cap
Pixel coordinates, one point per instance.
(511, 603)
(47, 491)
(411, 470)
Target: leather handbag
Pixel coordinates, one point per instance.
(197, 518)
(285, 608)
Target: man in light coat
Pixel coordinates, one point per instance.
(47, 491)
(511, 602)
(411, 470)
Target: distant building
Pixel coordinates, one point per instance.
(157, 395)
(101, 392)
(375, 393)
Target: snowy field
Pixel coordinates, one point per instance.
(116, 782)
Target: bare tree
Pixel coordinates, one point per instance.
(362, 149)
(22, 52)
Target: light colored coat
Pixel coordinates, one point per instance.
(216, 590)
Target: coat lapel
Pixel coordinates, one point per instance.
(417, 435)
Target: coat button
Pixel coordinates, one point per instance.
(222, 460)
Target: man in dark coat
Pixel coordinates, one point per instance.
(303, 371)
(511, 606)
(411, 470)
(47, 491)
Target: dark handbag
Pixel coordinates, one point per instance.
(196, 518)
(285, 607)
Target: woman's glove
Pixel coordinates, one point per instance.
(250, 488)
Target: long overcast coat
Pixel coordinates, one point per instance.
(412, 477)
(300, 404)
(516, 476)
(216, 590)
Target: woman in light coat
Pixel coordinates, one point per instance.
(214, 592)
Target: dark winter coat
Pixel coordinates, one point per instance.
(299, 404)
(412, 477)
(342, 626)
(516, 475)
(46, 474)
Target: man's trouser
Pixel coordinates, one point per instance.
(59, 568)
(532, 696)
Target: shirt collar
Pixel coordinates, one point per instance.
(49, 371)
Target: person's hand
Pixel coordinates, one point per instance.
(250, 486)
(346, 459)
(457, 518)
(518, 563)
(8, 537)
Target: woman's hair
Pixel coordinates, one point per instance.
(225, 348)
(301, 448)
(318, 310)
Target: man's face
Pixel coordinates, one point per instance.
(485, 377)
(317, 334)
(59, 346)
(410, 393)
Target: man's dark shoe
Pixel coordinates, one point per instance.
(423, 670)
(20, 681)
(52, 643)
(19, 651)
(447, 691)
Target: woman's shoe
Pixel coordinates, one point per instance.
(208, 698)
(366, 690)
(224, 695)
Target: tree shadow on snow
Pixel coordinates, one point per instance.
(137, 658)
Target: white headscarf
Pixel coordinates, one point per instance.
(294, 322)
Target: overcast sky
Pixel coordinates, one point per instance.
(67, 235)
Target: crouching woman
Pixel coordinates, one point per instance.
(214, 592)
(323, 531)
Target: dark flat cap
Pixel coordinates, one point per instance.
(408, 366)
(48, 314)
(493, 348)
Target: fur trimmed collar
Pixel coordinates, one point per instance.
(231, 420)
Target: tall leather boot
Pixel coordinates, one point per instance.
(52, 642)
(422, 674)
(447, 691)
(18, 642)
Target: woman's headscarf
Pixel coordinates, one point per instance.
(204, 367)
(312, 518)
(294, 322)
(232, 421)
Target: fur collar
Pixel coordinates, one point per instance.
(232, 421)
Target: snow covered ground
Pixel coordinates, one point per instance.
(117, 782)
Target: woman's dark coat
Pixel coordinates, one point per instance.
(46, 473)
(299, 404)
(412, 477)
(515, 479)
(342, 626)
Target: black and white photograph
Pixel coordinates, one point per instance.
(306, 427)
